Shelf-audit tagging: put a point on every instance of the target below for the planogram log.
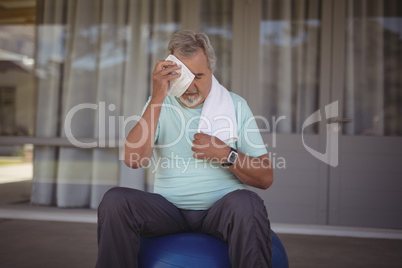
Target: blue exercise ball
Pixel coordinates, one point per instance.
(196, 251)
(279, 257)
(183, 250)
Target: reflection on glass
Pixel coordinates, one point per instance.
(216, 22)
(289, 62)
(101, 55)
(16, 173)
(94, 61)
(16, 80)
(373, 67)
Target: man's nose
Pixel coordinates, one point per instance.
(192, 87)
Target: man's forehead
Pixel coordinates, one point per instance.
(197, 64)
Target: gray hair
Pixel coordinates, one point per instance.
(187, 42)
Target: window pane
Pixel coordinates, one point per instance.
(373, 59)
(17, 98)
(289, 62)
(216, 22)
(16, 171)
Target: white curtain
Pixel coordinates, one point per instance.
(289, 65)
(216, 21)
(98, 53)
(373, 68)
(289, 69)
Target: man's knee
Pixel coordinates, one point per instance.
(246, 199)
(109, 200)
(246, 205)
(116, 198)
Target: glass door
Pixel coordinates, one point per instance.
(365, 189)
(288, 89)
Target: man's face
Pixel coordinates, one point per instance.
(199, 89)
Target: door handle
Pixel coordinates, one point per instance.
(340, 120)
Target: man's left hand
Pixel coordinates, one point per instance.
(210, 148)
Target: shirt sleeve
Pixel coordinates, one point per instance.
(250, 141)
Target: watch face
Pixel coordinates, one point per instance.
(232, 157)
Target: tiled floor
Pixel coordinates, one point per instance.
(58, 244)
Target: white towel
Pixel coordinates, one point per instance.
(179, 85)
(218, 116)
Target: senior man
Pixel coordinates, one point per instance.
(206, 147)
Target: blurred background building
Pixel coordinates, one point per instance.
(79, 70)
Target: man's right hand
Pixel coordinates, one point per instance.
(161, 76)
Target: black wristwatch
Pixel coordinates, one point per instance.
(232, 157)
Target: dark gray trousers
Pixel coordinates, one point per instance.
(239, 218)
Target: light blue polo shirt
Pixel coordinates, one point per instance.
(191, 183)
